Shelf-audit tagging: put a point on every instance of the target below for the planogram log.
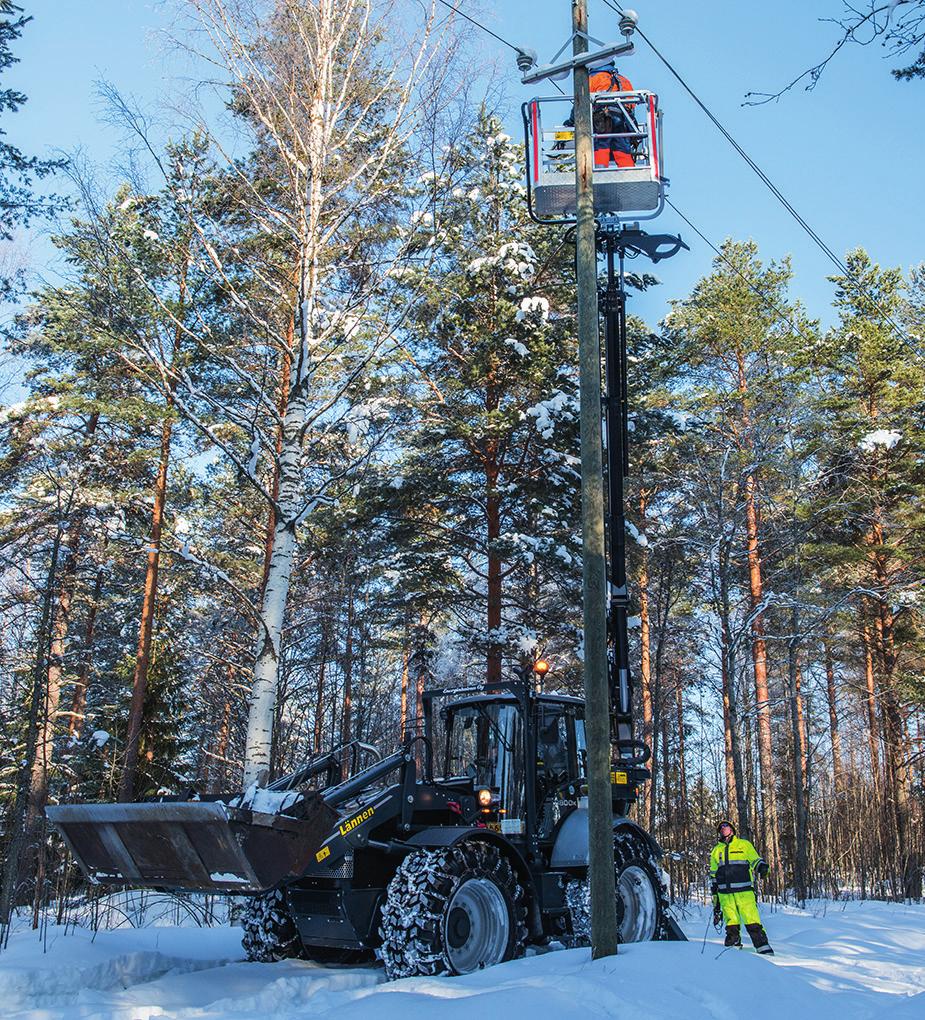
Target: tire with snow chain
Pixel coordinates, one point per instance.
(269, 931)
(452, 911)
(642, 896)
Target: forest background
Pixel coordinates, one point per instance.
(294, 437)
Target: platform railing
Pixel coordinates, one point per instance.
(553, 148)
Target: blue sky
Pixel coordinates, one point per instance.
(848, 155)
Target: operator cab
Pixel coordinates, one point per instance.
(488, 745)
(619, 191)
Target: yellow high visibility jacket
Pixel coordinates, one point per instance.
(733, 866)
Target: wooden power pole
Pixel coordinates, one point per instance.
(594, 566)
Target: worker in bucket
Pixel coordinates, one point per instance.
(611, 120)
(734, 863)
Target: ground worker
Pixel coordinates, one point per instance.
(610, 120)
(734, 864)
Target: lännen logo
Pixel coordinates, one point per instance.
(352, 823)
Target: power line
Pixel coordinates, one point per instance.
(778, 194)
(484, 28)
(782, 316)
(494, 35)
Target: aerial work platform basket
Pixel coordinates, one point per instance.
(623, 191)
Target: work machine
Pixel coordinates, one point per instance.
(435, 873)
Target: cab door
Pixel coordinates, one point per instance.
(558, 766)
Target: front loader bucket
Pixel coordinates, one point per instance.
(196, 846)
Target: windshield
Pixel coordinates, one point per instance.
(485, 743)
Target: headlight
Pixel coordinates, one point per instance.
(484, 797)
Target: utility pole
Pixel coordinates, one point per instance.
(594, 567)
(605, 730)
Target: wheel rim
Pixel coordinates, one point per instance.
(478, 926)
(639, 902)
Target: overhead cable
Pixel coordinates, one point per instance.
(484, 28)
(783, 317)
(494, 35)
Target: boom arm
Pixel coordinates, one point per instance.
(615, 244)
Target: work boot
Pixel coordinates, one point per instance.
(733, 937)
(759, 939)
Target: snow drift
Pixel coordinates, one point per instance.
(846, 961)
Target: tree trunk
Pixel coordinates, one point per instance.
(43, 759)
(285, 376)
(659, 706)
(48, 713)
(870, 685)
(319, 695)
(403, 718)
(759, 647)
(801, 723)
(149, 602)
(346, 717)
(420, 670)
(798, 764)
(79, 696)
(493, 522)
(683, 805)
(731, 784)
(146, 627)
(834, 735)
(265, 685)
(221, 745)
(289, 504)
(645, 656)
(9, 894)
(666, 776)
(760, 667)
(751, 787)
(736, 790)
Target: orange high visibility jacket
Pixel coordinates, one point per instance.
(608, 119)
(609, 81)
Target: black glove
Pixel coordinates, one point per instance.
(717, 912)
(762, 869)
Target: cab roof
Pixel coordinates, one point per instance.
(511, 699)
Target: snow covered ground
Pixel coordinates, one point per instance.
(834, 962)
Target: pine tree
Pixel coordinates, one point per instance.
(874, 449)
(732, 325)
(488, 484)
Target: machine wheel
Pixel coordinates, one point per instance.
(642, 897)
(269, 931)
(452, 911)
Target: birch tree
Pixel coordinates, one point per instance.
(299, 241)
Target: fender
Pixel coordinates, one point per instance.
(622, 824)
(571, 847)
(449, 836)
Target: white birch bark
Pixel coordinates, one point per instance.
(329, 20)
